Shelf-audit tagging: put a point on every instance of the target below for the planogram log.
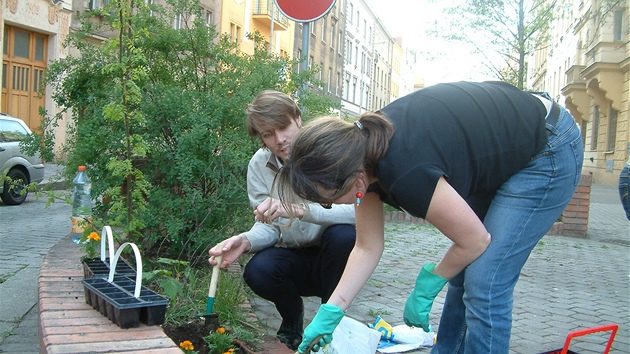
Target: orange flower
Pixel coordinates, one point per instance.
(187, 345)
(220, 330)
(230, 351)
(94, 236)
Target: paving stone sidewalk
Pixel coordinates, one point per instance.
(567, 284)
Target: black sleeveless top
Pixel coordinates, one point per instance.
(476, 135)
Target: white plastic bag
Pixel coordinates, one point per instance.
(353, 337)
(406, 339)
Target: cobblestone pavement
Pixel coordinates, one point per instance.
(27, 231)
(567, 284)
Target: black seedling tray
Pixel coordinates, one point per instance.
(115, 301)
(95, 267)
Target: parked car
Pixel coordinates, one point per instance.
(21, 168)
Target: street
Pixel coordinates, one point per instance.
(27, 231)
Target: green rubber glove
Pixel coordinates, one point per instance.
(320, 330)
(418, 306)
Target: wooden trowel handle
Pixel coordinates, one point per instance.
(215, 277)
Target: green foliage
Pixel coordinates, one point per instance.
(187, 289)
(504, 33)
(157, 115)
(219, 342)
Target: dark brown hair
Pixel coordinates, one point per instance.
(329, 152)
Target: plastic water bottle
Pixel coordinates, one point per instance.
(81, 204)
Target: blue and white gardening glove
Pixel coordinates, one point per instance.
(321, 328)
(418, 306)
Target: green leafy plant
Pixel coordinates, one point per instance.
(220, 342)
(91, 245)
(157, 115)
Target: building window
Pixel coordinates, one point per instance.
(349, 51)
(362, 62)
(351, 12)
(364, 29)
(618, 26)
(299, 65)
(177, 23)
(329, 81)
(333, 31)
(340, 42)
(235, 34)
(310, 62)
(149, 3)
(594, 128)
(208, 18)
(612, 129)
(324, 30)
(583, 127)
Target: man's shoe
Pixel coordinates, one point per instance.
(292, 341)
(290, 332)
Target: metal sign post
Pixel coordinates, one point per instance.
(305, 11)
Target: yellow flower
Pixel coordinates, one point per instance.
(186, 345)
(230, 351)
(94, 236)
(220, 330)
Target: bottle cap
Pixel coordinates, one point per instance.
(82, 168)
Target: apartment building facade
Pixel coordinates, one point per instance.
(325, 48)
(33, 34)
(358, 72)
(238, 18)
(585, 68)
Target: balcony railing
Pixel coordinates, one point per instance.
(262, 9)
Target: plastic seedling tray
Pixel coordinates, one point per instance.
(125, 301)
(95, 267)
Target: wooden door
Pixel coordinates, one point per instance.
(23, 66)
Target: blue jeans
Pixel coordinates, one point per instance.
(284, 275)
(477, 313)
(624, 181)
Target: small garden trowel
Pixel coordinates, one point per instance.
(209, 316)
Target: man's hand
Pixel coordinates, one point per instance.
(418, 306)
(231, 249)
(271, 209)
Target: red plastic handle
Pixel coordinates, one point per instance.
(582, 332)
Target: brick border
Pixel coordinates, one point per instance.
(67, 324)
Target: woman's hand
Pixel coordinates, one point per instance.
(319, 332)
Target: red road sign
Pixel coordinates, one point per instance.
(304, 10)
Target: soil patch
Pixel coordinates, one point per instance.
(195, 330)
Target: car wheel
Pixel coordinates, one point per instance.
(14, 196)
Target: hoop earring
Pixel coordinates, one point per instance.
(359, 196)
